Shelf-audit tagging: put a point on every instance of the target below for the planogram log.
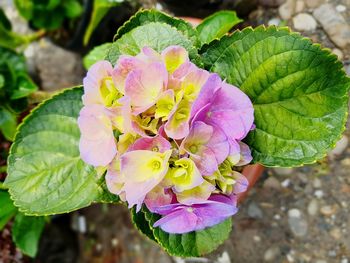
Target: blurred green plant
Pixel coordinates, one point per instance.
(15, 86)
(49, 14)
(26, 230)
(10, 39)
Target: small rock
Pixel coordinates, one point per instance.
(277, 217)
(336, 233)
(344, 260)
(340, 8)
(314, 3)
(274, 22)
(224, 258)
(299, 6)
(312, 208)
(334, 24)
(271, 254)
(55, 66)
(294, 213)
(285, 183)
(320, 261)
(297, 223)
(332, 253)
(286, 11)
(304, 22)
(272, 183)
(339, 53)
(328, 210)
(316, 183)
(254, 211)
(257, 238)
(319, 193)
(340, 147)
(283, 171)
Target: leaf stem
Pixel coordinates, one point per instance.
(2, 186)
(39, 96)
(3, 169)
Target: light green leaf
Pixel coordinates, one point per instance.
(100, 9)
(26, 233)
(8, 123)
(155, 35)
(46, 175)
(217, 25)
(25, 8)
(72, 8)
(193, 244)
(8, 210)
(98, 53)
(299, 92)
(144, 17)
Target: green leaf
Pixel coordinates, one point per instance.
(45, 173)
(25, 87)
(8, 123)
(144, 17)
(193, 244)
(25, 8)
(299, 92)
(98, 53)
(140, 222)
(26, 233)
(72, 8)
(15, 60)
(155, 35)
(100, 9)
(4, 20)
(217, 25)
(8, 210)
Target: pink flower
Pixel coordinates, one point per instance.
(97, 144)
(180, 219)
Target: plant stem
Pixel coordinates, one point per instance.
(35, 36)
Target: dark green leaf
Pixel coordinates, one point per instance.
(8, 210)
(26, 233)
(45, 174)
(25, 8)
(217, 25)
(144, 17)
(98, 53)
(4, 20)
(193, 244)
(299, 92)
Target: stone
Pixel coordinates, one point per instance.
(336, 233)
(254, 211)
(304, 22)
(272, 183)
(319, 193)
(297, 223)
(312, 208)
(287, 10)
(340, 147)
(328, 210)
(338, 52)
(271, 254)
(344, 260)
(274, 22)
(299, 6)
(317, 183)
(340, 8)
(314, 3)
(285, 183)
(224, 258)
(334, 24)
(57, 68)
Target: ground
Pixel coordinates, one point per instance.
(291, 215)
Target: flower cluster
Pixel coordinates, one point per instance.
(169, 135)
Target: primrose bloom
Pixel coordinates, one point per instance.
(168, 136)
